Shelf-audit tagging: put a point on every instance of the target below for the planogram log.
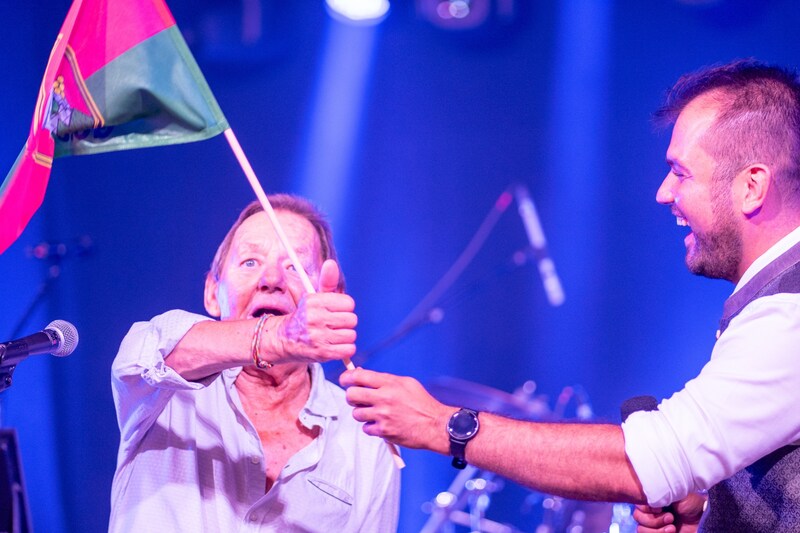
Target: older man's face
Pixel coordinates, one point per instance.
(257, 275)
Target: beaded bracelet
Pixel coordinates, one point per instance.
(255, 347)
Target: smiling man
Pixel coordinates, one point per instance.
(734, 430)
(230, 425)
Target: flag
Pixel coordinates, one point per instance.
(120, 76)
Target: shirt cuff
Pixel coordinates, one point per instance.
(148, 345)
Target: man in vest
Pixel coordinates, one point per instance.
(734, 181)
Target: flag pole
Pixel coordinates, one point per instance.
(309, 287)
(262, 197)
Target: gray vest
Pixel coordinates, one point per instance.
(765, 496)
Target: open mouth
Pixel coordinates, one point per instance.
(681, 221)
(261, 311)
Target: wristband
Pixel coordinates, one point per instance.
(255, 347)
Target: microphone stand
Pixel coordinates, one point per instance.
(5, 374)
(54, 254)
(53, 273)
(425, 311)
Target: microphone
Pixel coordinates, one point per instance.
(547, 269)
(59, 338)
(637, 403)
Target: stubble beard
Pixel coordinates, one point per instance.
(717, 253)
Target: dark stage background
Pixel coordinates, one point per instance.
(405, 133)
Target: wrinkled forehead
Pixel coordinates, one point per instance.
(256, 233)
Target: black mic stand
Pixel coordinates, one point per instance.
(54, 253)
(5, 371)
(14, 511)
(426, 311)
(53, 272)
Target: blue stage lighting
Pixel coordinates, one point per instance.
(364, 12)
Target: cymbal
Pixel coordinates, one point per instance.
(462, 393)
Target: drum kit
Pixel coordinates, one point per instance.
(464, 506)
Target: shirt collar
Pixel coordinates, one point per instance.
(321, 400)
(770, 255)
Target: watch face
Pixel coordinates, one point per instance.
(463, 425)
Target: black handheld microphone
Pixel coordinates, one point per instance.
(59, 338)
(637, 403)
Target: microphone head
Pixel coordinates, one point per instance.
(67, 336)
(637, 403)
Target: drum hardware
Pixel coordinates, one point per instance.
(557, 511)
(461, 393)
(465, 502)
(472, 488)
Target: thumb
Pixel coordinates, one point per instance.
(329, 276)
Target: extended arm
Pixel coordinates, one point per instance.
(321, 328)
(579, 461)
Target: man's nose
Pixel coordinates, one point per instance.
(664, 194)
(272, 279)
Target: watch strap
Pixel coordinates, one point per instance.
(458, 449)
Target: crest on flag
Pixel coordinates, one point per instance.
(120, 76)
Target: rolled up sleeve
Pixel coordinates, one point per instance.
(741, 407)
(142, 382)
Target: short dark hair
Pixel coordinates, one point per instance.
(285, 202)
(758, 118)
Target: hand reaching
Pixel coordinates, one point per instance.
(397, 408)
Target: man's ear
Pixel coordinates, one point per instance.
(757, 180)
(210, 296)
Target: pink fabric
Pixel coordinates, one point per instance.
(105, 29)
(23, 195)
(98, 31)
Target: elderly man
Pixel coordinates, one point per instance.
(734, 181)
(230, 425)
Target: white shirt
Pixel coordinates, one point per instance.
(742, 406)
(191, 460)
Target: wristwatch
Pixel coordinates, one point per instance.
(462, 427)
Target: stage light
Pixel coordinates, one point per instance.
(453, 9)
(363, 12)
(465, 15)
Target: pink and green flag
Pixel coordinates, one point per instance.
(120, 76)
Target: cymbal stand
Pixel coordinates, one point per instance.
(471, 487)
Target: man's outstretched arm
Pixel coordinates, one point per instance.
(576, 461)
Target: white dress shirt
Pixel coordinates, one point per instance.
(742, 406)
(191, 460)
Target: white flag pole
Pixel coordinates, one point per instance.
(262, 197)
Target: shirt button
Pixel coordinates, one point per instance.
(255, 460)
(253, 518)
